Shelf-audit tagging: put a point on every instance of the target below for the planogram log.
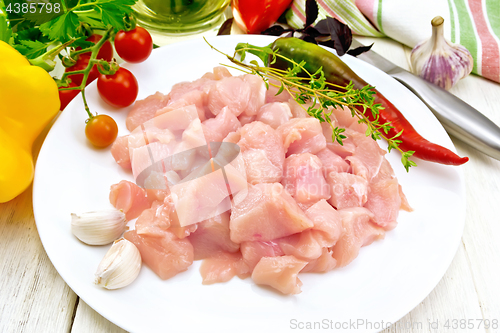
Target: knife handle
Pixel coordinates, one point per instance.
(458, 118)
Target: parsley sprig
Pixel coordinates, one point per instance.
(34, 36)
(318, 97)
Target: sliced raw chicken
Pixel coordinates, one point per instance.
(145, 109)
(298, 110)
(193, 97)
(267, 212)
(221, 72)
(303, 178)
(130, 198)
(324, 263)
(384, 202)
(302, 135)
(232, 92)
(244, 119)
(274, 114)
(120, 152)
(159, 217)
(262, 151)
(212, 237)
(272, 93)
(359, 230)
(347, 190)
(327, 223)
(309, 244)
(257, 94)
(367, 157)
(165, 254)
(205, 194)
(332, 163)
(344, 117)
(216, 129)
(279, 273)
(223, 267)
(253, 251)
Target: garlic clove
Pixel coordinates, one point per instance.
(120, 266)
(439, 61)
(98, 228)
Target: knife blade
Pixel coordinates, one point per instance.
(457, 117)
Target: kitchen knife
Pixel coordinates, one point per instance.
(458, 118)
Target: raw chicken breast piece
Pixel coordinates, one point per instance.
(257, 94)
(274, 114)
(384, 201)
(303, 178)
(267, 212)
(145, 109)
(165, 254)
(324, 263)
(159, 217)
(279, 273)
(327, 222)
(130, 198)
(272, 95)
(252, 252)
(347, 190)
(302, 135)
(194, 97)
(120, 152)
(212, 237)
(205, 193)
(232, 92)
(223, 267)
(309, 244)
(262, 151)
(216, 129)
(332, 163)
(359, 230)
(367, 157)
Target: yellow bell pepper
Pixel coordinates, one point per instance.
(29, 99)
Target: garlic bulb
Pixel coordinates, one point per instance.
(120, 266)
(440, 61)
(98, 228)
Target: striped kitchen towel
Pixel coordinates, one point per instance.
(474, 24)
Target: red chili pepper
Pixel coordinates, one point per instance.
(337, 72)
(411, 140)
(255, 16)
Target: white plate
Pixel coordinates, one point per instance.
(387, 280)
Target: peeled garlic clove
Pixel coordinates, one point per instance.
(98, 228)
(120, 266)
(439, 61)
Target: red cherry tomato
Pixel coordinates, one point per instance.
(254, 17)
(101, 130)
(106, 51)
(134, 45)
(66, 96)
(120, 89)
(81, 64)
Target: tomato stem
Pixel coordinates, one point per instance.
(86, 105)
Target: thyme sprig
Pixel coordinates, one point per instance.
(317, 96)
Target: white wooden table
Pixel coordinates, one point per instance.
(34, 298)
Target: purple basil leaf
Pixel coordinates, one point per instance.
(312, 32)
(340, 34)
(360, 49)
(290, 34)
(275, 30)
(328, 43)
(322, 27)
(311, 12)
(309, 39)
(225, 29)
